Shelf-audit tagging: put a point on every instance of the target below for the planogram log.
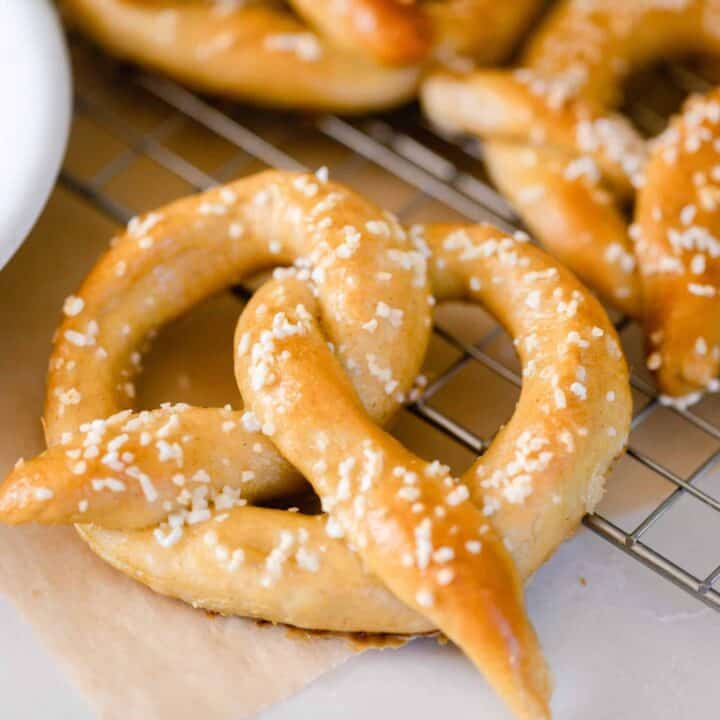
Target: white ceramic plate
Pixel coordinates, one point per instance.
(35, 99)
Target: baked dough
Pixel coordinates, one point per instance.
(350, 56)
(323, 352)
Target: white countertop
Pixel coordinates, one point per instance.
(627, 644)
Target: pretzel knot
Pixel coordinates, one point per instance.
(323, 352)
(352, 55)
(570, 165)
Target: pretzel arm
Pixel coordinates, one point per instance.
(482, 609)
(577, 218)
(229, 567)
(679, 251)
(177, 450)
(525, 108)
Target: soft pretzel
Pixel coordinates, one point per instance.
(432, 551)
(354, 55)
(677, 227)
(550, 132)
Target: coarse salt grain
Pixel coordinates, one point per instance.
(73, 306)
(424, 598)
(458, 495)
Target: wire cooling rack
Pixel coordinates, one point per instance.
(134, 122)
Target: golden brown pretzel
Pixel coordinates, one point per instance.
(349, 56)
(435, 542)
(549, 130)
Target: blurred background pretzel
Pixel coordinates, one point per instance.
(350, 56)
(571, 166)
(677, 233)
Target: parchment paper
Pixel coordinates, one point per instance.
(135, 655)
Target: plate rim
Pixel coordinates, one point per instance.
(29, 180)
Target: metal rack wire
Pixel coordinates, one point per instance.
(439, 170)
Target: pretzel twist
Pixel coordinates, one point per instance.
(568, 164)
(405, 547)
(346, 56)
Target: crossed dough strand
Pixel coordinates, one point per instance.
(439, 544)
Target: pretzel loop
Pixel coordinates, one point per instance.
(163, 265)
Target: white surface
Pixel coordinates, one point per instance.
(626, 645)
(30, 681)
(35, 114)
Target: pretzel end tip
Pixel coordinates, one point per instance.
(28, 495)
(531, 688)
(19, 499)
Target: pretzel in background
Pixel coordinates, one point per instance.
(350, 56)
(571, 166)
